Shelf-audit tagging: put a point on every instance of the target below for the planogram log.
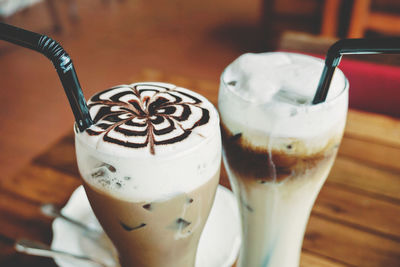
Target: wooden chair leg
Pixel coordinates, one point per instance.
(385, 23)
(267, 20)
(54, 16)
(330, 15)
(359, 18)
(73, 13)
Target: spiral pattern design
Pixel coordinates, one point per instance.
(146, 115)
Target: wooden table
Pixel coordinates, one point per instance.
(355, 221)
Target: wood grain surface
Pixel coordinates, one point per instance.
(355, 221)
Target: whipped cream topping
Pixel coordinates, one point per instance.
(149, 141)
(269, 95)
(148, 116)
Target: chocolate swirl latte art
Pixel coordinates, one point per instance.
(147, 115)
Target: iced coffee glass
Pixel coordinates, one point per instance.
(278, 148)
(150, 166)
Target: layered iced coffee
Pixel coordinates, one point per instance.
(278, 148)
(150, 166)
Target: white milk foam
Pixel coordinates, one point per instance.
(137, 174)
(270, 94)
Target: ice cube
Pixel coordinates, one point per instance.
(291, 97)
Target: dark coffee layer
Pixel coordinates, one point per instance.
(146, 115)
(263, 165)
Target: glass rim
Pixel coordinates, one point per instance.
(315, 106)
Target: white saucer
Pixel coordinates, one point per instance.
(219, 244)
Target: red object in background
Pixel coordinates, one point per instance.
(373, 87)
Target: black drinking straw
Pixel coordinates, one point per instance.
(62, 62)
(347, 47)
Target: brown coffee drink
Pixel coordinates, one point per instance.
(150, 166)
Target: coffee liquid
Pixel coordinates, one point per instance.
(161, 233)
(275, 191)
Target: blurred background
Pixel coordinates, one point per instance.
(111, 41)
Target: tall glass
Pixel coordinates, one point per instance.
(278, 149)
(150, 166)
